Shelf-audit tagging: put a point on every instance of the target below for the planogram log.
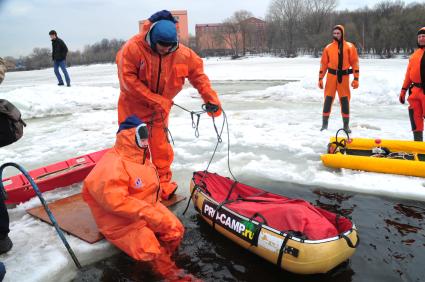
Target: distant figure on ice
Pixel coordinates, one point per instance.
(414, 81)
(152, 68)
(59, 52)
(337, 58)
(123, 192)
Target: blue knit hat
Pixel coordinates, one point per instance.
(163, 31)
(130, 122)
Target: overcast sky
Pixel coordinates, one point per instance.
(24, 24)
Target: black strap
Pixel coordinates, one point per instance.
(340, 59)
(414, 84)
(258, 229)
(215, 211)
(282, 249)
(231, 189)
(349, 243)
(201, 185)
(337, 222)
(196, 187)
(422, 71)
(341, 72)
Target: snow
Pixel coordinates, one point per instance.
(274, 134)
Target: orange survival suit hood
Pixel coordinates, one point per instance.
(340, 28)
(421, 31)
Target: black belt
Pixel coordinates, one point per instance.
(340, 72)
(414, 84)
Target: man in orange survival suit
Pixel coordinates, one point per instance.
(152, 67)
(415, 82)
(337, 58)
(122, 192)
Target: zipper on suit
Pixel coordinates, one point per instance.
(159, 74)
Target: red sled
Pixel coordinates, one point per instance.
(50, 177)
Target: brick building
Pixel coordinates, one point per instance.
(215, 39)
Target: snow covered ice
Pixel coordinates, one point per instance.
(274, 134)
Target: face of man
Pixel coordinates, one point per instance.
(163, 49)
(337, 34)
(52, 36)
(421, 39)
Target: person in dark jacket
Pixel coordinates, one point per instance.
(59, 52)
(5, 242)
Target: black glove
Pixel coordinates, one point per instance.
(210, 108)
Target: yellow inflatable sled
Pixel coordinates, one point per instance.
(376, 155)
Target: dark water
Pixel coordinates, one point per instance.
(391, 249)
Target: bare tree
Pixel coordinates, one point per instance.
(288, 15)
(231, 35)
(245, 29)
(317, 22)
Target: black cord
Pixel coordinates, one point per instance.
(219, 134)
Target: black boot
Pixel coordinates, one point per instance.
(5, 245)
(418, 136)
(346, 121)
(325, 123)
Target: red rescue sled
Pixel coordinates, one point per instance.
(292, 233)
(50, 177)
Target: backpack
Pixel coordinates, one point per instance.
(11, 124)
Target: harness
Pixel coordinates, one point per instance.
(340, 72)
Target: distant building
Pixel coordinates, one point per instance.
(209, 39)
(215, 38)
(182, 26)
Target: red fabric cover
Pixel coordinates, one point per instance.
(281, 213)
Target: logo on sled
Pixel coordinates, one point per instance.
(244, 229)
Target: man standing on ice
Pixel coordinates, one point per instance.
(152, 68)
(414, 81)
(337, 58)
(59, 52)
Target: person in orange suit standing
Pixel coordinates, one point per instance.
(152, 68)
(414, 81)
(337, 58)
(122, 192)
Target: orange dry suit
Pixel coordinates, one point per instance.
(122, 192)
(337, 58)
(414, 81)
(148, 84)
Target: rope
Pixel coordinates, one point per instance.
(198, 114)
(219, 134)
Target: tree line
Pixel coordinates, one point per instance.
(292, 28)
(99, 52)
(296, 27)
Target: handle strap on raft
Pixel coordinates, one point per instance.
(231, 190)
(226, 201)
(282, 248)
(348, 240)
(46, 207)
(258, 229)
(214, 218)
(196, 187)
